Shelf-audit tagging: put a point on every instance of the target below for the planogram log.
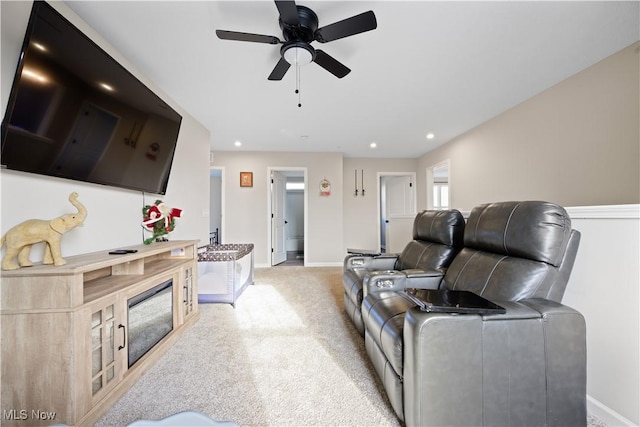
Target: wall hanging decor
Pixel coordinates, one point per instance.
(325, 187)
(153, 150)
(361, 182)
(160, 220)
(246, 179)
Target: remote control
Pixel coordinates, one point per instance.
(123, 251)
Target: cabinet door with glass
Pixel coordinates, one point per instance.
(108, 347)
(189, 292)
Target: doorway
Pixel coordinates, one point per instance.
(216, 205)
(79, 156)
(287, 216)
(396, 209)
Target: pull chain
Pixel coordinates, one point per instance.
(298, 84)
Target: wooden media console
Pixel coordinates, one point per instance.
(65, 330)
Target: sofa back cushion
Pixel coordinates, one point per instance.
(515, 250)
(437, 238)
(538, 231)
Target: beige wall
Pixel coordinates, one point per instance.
(114, 214)
(248, 212)
(576, 144)
(334, 223)
(361, 228)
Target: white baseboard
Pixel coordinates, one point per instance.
(606, 414)
(309, 264)
(324, 264)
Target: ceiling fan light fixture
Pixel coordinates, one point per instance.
(298, 53)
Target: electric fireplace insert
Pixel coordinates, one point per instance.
(150, 319)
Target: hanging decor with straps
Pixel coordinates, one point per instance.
(325, 187)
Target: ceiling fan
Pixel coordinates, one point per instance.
(299, 26)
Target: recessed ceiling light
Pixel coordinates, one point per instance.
(106, 87)
(237, 143)
(373, 145)
(430, 135)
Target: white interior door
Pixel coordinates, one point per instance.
(90, 137)
(400, 196)
(397, 202)
(278, 222)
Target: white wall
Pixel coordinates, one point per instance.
(604, 287)
(114, 215)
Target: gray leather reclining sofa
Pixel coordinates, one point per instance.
(437, 238)
(526, 367)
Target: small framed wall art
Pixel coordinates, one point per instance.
(246, 179)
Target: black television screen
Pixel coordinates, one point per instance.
(74, 112)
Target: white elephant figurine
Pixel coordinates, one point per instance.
(23, 236)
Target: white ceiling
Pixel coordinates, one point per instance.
(430, 66)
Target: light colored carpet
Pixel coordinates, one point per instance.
(287, 355)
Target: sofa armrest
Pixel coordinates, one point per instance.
(397, 280)
(535, 354)
(386, 261)
(363, 252)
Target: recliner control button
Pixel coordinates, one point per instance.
(384, 283)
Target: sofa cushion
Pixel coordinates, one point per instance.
(443, 227)
(437, 237)
(512, 251)
(425, 256)
(499, 277)
(538, 231)
(391, 381)
(383, 317)
(352, 283)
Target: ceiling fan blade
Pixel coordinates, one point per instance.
(366, 21)
(331, 64)
(288, 12)
(280, 70)
(246, 37)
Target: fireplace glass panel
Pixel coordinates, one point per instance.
(150, 319)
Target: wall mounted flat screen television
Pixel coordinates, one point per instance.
(76, 113)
